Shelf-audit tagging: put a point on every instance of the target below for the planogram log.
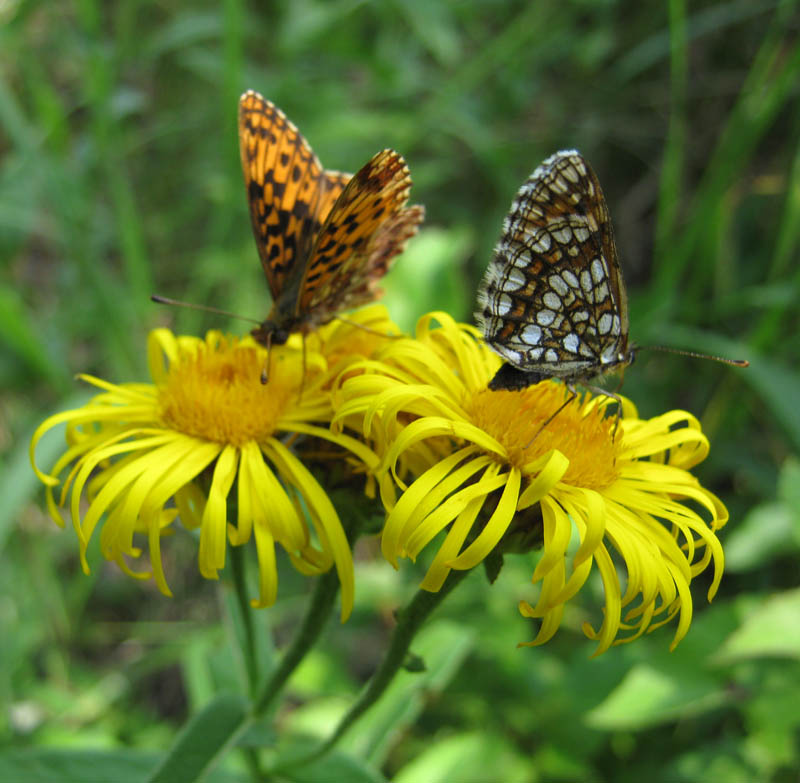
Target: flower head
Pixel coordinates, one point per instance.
(493, 469)
(206, 443)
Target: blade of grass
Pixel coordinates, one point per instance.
(671, 186)
(771, 80)
(774, 381)
(19, 333)
(106, 136)
(711, 21)
(786, 246)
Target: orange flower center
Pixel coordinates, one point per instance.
(217, 394)
(582, 433)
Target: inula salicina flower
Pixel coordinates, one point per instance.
(208, 445)
(591, 491)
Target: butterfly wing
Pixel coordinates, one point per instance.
(553, 301)
(366, 228)
(289, 192)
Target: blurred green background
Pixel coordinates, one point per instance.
(119, 177)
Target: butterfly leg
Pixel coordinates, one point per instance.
(303, 376)
(614, 396)
(265, 369)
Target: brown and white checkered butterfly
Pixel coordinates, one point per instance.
(553, 301)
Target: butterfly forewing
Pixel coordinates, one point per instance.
(553, 302)
(289, 192)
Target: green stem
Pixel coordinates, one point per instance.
(409, 621)
(319, 610)
(246, 615)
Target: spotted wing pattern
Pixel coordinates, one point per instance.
(325, 238)
(553, 302)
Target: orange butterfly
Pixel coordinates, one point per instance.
(325, 238)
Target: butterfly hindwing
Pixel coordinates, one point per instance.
(367, 226)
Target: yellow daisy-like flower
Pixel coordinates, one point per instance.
(590, 490)
(146, 454)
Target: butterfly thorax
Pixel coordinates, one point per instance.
(269, 333)
(277, 326)
(281, 322)
(284, 321)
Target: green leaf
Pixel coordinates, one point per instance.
(18, 332)
(466, 758)
(789, 484)
(207, 737)
(443, 646)
(335, 766)
(771, 629)
(767, 531)
(648, 696)
(431, 267)
(770, 529)
(46, 765)
(777, 383)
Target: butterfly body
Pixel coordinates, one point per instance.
(553, 302)
(325, 238)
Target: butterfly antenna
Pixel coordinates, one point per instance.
(303, 377)
(175, 303)
(696, 355)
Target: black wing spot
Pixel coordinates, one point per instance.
(300, 209)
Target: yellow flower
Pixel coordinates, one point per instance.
(361, 334)
(204, 426)
(589, 496)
